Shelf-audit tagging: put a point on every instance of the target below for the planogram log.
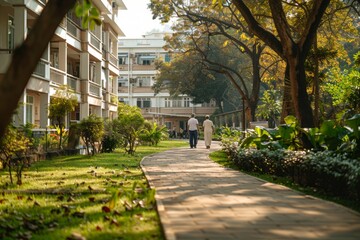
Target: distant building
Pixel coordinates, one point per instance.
(137, 75)
(85, 60)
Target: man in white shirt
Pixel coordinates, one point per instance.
(193, 130)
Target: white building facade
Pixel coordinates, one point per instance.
(84, 60)
(137, 76)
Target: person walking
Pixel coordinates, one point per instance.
(209, 129)
(193, 124)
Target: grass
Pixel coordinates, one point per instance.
(101, 197)
(221, 158)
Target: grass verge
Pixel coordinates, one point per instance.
(76, 197)
(221, 158)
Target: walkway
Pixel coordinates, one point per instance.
(198, 199)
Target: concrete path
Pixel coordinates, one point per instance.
(199, 199)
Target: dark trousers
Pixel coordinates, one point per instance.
(193, 138)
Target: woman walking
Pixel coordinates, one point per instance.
(208, 131)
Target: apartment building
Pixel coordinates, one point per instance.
(84, 60)
(137, 76)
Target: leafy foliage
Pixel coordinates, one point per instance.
(330, 136)
(111, 139)
(129, 125)
(14, 147)
(63, 102)
(92, 131)
(153, 134)
(270, 107)
(334, 173)
(89, 14)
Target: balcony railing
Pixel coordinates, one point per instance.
(113, 60)
(73, 83)
(40, 69)
(94, 41)
(73, 29)
(57, 76)
(94, 89)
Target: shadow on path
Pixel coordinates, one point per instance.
(199, 199)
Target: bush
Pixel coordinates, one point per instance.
(334, 173)
(91, 131)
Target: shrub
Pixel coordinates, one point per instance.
(111, 139)
(91, 131)
(129, 124)
(329, 171)
(152, 133)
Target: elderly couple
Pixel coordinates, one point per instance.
(193, 131)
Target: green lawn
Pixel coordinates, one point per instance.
(221, 158)
(100, 197)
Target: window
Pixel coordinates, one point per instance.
(143, 102)
(177, 102)
(144, 81)
(186, 102)
(167, 102)
(29, 109)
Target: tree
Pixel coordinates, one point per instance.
(185, 74)
(92, 131)
(293, 48)
(199, 22)
(63, 102)
(129, 124)
(28, 54)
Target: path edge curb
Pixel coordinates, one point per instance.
(168, 232)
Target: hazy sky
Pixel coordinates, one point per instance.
(137, 19)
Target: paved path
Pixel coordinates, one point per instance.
(198, 199)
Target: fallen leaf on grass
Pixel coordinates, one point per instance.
(114, 222)
(79, 214)
(116, 212)
(98, 228)
(3, 200)
(91, 199)
(70, 199)
(76, 236)
(105, 209)
(128, 206)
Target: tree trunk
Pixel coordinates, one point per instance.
(254, 98)
(26, 57)
(316, 84)
(287, 105)
(299, 95)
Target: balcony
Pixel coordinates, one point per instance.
(57, 76)
(73, 29)
(94, 89)
(73, 83)
(95, 41)
(113, 60)
(40, 69)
